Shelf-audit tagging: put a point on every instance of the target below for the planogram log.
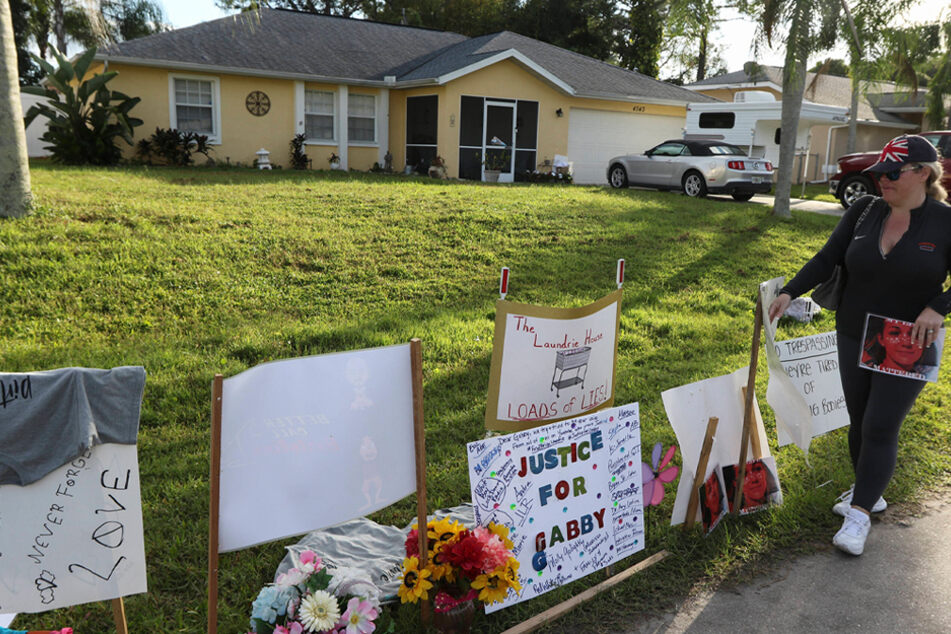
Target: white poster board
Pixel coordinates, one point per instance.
(551, 364)
(75, 535)
(311, 442)
(805, 390)
(689, 408)
(7, 619)
(570, 493)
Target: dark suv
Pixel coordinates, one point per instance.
(849, 184)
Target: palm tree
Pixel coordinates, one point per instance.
(14, 166)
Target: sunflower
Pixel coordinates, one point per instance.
(444, 530)
(510, 575)
(503, 532)
(438, 566)
(414, 585)
(492, 587)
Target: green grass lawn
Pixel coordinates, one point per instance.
(193, 272)
(818, 191)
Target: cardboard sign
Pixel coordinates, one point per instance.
(688, 408)
(74, 536)
(570, 493)
(311, 442)
(551, 364)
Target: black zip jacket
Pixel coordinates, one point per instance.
(897, 285)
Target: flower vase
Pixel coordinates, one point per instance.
(456, 620)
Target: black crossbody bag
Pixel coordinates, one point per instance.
(828, 294)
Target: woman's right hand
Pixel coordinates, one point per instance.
(779, 306)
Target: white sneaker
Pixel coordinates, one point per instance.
(845, 503)
(851, 537)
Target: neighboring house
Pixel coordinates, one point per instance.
(359, 89)
(884, 112)
(34, 147)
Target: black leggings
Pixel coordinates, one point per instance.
(877, 405)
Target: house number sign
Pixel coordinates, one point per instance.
(257, 103)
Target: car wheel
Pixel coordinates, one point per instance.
(742, 197)
(694, 185)
(618, 177)
(853, 188)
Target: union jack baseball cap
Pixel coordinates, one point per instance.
(902, 150)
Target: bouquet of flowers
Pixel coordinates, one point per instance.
(309, 598)
(461, 565)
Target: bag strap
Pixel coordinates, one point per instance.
(868, 206)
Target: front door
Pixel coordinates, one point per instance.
(498, 143)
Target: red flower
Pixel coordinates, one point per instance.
(466, 554)
(412, 543)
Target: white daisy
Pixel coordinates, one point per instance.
(319, 611)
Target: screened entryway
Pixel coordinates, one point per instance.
(421, 120)
(497, 134)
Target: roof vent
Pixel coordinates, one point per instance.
(753, 96)
(389, 80)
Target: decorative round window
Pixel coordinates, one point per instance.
(257, 103)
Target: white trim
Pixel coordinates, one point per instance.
(636, 99)
(504, 55)
(343, 134)
(736, 86)
(300, 116)
(213, 139)
(383, 124)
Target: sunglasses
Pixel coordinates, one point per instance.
(894, 175)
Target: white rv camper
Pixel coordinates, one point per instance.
(753, 120)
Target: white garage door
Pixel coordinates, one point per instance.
(595, 136)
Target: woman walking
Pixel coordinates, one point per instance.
(896, 261)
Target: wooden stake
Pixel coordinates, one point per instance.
(748, 409)
(419, 432)
(118, 615)
(756, 444)
(565, 606)
(214, 483)
(701, 471)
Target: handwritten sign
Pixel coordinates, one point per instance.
(551, 364)
(804, 388)
(570, 493)
(75, 535)
(311, 442)
(812, 364)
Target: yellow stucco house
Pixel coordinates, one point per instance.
(360, 89)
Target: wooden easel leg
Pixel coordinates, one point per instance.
(748, 408)
(701, 470)
(118, 615)
(214, 489)
(419, 432)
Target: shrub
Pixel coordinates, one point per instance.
(85, 117)
(174, 147)
(298, 156)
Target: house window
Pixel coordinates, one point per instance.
(421, 131)
(319, 115)
(361, 118)
(195, 106)
(723, 120)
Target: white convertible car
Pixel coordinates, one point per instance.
(697, 167)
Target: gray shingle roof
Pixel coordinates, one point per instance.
(828, 90)
(306, 44)
(293, 43)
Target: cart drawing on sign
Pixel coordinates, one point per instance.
(575, 359)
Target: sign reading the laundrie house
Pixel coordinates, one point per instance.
(551, 364)
(75, 535)
(569, 492)
(804, 388)
(311, 442)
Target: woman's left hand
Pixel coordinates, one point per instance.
(925, 330)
